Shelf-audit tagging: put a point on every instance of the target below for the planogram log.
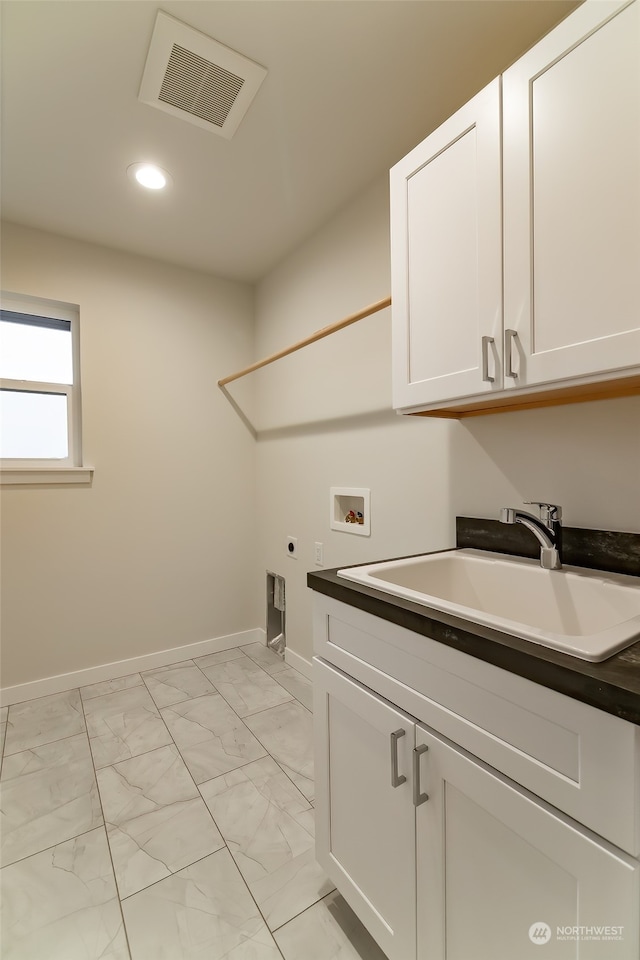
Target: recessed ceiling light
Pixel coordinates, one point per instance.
(149, 175)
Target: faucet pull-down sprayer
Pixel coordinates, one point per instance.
(547, 529)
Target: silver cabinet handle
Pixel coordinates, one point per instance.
(418, 797)
(396, 780)
(509, 339)
(485, 359)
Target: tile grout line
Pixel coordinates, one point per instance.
(173, 743)
(58, 843)
(106, 835)
(274, 677)
(278, 762)
(314, 904)
(46, 742)
(158, 710)
(297, 788)
(166, 669)
(268, 756)
(225, 847)
(198, 785)
(4, 742)
(264, 919)
(144, 752)
(199, 792)
(290, 695)
(243, 720)
(188, 866)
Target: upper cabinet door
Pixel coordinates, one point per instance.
(446, 259)
(571, 194)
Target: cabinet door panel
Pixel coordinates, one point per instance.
(495, 862)
(442, 232)
(365, 827)
(572, 198)
(446, 258)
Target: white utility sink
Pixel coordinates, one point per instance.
(586, 613)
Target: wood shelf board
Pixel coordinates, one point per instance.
(553, 397)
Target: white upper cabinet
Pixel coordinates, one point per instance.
(536, 199)
(446, 255)
(571, 189)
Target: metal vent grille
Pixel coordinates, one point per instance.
(199, 87)
(197, 79)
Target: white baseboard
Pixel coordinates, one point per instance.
(301, 664)
(121, 668)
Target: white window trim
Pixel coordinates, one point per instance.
(22, 475)
(70, 469)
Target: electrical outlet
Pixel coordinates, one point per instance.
(318, 554)
(291, 547)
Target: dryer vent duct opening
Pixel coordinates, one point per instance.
(276, 636)
(195, 78)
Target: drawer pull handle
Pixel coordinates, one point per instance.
(418, 797)
(485, 359)
(396, 780)
(509, 341)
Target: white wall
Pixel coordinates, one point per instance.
(157, 551)
(585, 456)
(325, 415)
(170, 544)
(325, 419)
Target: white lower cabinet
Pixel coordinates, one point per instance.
(444, 858)
(365, 827)
(499, 873)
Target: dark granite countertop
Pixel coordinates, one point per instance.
(612, 685)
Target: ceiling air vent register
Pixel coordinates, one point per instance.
(197, 86)
(197, 79)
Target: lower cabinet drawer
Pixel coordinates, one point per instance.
(579, 759)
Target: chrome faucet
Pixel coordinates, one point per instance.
(547, 529)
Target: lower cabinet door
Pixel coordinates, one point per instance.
(365, 818)
(501, 876)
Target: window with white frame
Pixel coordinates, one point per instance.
(39, 384)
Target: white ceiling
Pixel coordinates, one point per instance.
(352, 85)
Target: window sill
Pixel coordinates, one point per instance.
(45, 475)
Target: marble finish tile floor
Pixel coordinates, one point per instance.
(245, 686)
(49, 794)
(168, 816)
(3, 727)
(268, 827)
(156, 819)
(287, 734)
(123, 724)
